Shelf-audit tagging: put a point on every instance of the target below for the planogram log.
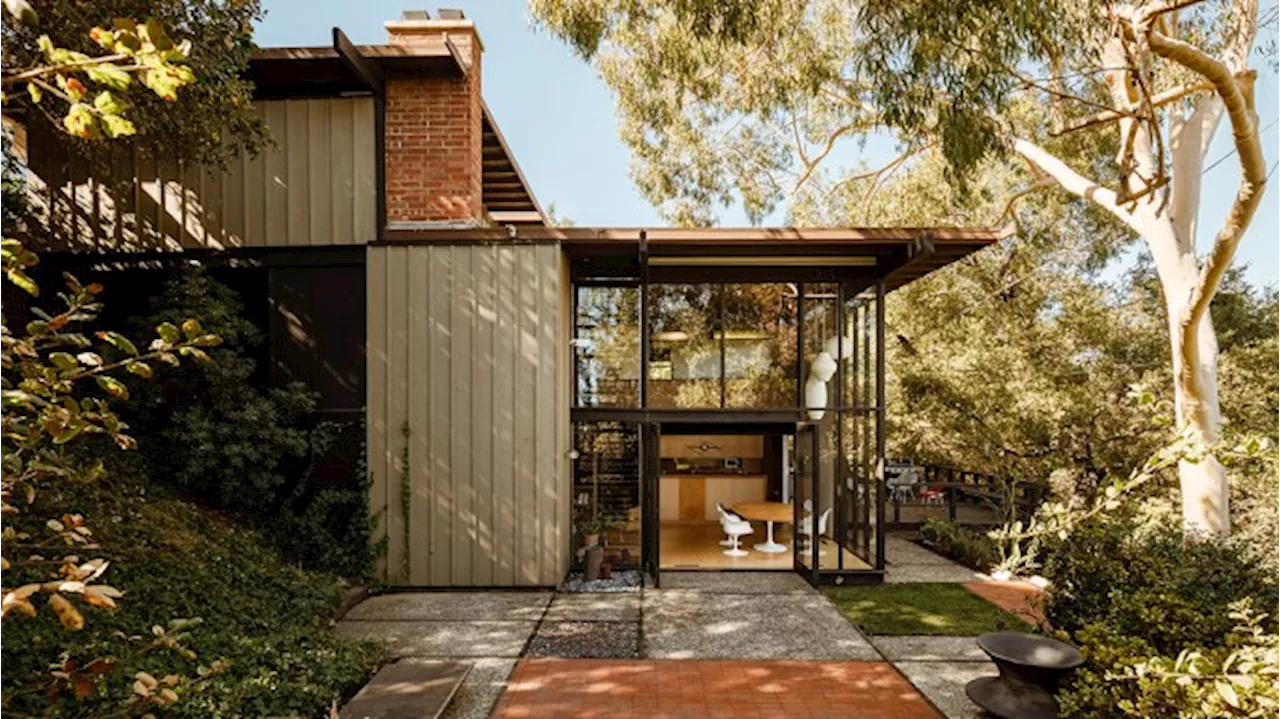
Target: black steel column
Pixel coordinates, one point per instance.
(880, 423)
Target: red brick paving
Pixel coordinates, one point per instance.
(1017, 598)
(732, 689)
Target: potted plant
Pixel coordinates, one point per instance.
(593, 529)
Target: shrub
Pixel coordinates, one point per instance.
(1132, 592)
(232, 445)
(264, 630)
(972, 549)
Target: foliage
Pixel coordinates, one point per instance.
(261, 647)
(920, 609)
(1144, 604)
(972, 549)
(249, 451)
(215, 119)
(1057, 520)
(49, 367)
(132, 49)
(1237, 679)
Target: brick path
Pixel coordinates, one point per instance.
(733, 689)
(1017, 598)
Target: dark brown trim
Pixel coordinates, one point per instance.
(368, 73)
(333, 256)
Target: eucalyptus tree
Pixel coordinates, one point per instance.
(750, 101)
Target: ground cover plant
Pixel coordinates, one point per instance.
(972, 548)
(939, 609)
(261, 645)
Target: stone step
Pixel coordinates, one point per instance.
(408, 689)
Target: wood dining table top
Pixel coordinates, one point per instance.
(765, 511)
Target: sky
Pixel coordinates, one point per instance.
(557, 116)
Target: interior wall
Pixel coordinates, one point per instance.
(467, 432)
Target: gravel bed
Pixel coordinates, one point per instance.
(585, 640)
(628, 580)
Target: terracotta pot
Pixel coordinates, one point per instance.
(590, 539)
(595, 558)
(606, 570)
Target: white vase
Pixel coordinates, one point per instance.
(845, 350)
(823, 367)
(815, 398)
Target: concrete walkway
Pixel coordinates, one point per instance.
(719, 626)
(489, 630)
(763, 624)
(939, 667)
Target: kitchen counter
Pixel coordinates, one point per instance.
(693, 497)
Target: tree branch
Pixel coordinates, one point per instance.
(1070, 180)
(1237, 100)
(1157, 100)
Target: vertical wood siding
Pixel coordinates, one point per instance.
(467, 344)
(316, 186)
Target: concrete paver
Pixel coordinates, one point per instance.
(907, 562)
(481, 689)
(696, 625)
(736, 582)
(444, 638)
(408, 689)
(454, 606)
(929, 648)
(943, 683)
(594, 608)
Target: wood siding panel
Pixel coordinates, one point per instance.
(376, 391)
(316, 186)
(489, 490)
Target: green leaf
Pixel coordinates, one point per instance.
(197, 354)
(109, 104)
(110, 75)
(191, 328)
(168, 332)
(20, 278)
(64, 361)
(112, 386)
(116, 126)
(80, 121)
(142, 369)
(120, 342)
(35, 92)
(1228, 693)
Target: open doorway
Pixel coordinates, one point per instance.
(735, 498)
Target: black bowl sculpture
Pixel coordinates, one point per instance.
(1030, 668)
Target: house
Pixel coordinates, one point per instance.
(521, 387)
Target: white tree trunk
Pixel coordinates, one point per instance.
(1203, 484)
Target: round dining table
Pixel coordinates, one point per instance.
(767, 512)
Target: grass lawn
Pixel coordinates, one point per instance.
(937, 609)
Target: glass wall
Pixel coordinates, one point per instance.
(607, 346)
(759, 345)
(606, 490)
(685, 367)
(711, 346)
(803, 348)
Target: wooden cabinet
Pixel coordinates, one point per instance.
(713, 446)
(692, 498)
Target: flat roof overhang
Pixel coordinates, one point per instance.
(896, 255)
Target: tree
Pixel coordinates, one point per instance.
(750, 101)
(49, 363)
(215, 119)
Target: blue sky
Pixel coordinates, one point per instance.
(558, 118)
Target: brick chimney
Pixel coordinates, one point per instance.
(433, 126)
